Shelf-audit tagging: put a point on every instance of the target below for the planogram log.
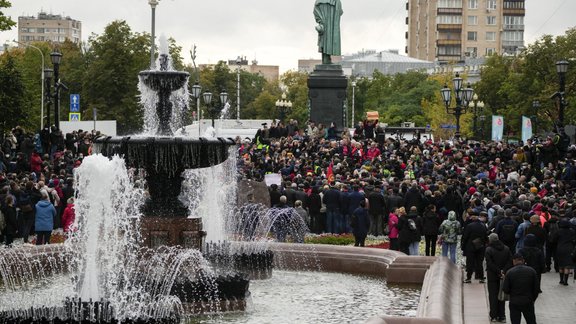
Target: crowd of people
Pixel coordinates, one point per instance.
(37, 183)
(496, 199)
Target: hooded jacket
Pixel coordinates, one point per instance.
(450, 228)
(45, 213)
(498, 258)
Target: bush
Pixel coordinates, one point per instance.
(331, 239)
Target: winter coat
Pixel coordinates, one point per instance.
(360, 222)
(332, 199)
(533, 255)
(377, 203)
(11, 220)
(414, 198)
(68, 217)
(430, 223)
(565, 244)
(449, 229)
(498, 259)
(393, 226)
(474, 230)
(521, 283)
(408, 232)
(45, 213)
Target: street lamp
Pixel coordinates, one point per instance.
(535, 108)
(238, 63)
(353, 101)
(462, 95)
(56, 58)
(196, 91)
(48, 98)
(283, 105)
(153, 4)
(42, 77)
(477, 110)
(562, 69)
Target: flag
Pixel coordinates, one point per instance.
(526, 128)
(330, 173)
(497, 128)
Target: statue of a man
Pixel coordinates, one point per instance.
(327, 14)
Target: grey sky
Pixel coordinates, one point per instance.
(275, 32)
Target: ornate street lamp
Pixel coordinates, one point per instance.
(353, 102)
(535, 108)
(562, 69)
(153, 4)
(56, 58)
(196, 93)
(462, 95)
(477, 110)
(283, 105)
(48, 96)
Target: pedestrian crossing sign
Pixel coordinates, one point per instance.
(74, 116)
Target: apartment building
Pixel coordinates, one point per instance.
(454, 30)
(49, 28)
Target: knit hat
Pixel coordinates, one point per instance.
(534, 219)
(493, 237)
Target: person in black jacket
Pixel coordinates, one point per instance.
(360, 224)
(430, 224)
(533, 256)
(498, 261)
(565, 245)
(314, 205)
(473, 245)
(409, 232)
(11, 220)
(377, 206)
(521, 283)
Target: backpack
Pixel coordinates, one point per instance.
(412, 224)
(25, 203)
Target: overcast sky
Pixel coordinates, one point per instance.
(274, 32)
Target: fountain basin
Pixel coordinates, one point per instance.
(164, 80)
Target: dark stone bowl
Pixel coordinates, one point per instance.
(164, 80)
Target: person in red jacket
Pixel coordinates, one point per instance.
(68, 217)
(36, 163)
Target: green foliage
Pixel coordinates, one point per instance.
(12, 95)
(5, 22)
(110, 82)
(331, 239)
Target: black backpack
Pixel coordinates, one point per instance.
(508, 233)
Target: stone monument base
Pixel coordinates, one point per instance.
(185, 232)
(327, 87)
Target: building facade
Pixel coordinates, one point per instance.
(49, 28)
(453, 30)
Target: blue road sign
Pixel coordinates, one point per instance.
(75, 102)
(74, 117)
(448, 126)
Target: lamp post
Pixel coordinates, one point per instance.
(212, 110)
(462, 95)
(535, 108)
(353, 101)
(42, 80)
(153, 4)
(196, 91)
(56, 58)
(283, 105)
(482, 119)
(238, 63)
(562, 69)
(477, 109)
(48, 98)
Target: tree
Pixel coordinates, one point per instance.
(110, 82)
(6, 23)
(12, 95)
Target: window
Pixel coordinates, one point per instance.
(449, 3)
(472, 36)
(513, 20)
(490, 20)
(449, 50)
(472, 4)
(490, 36)
(490, 51)
(513, 36)
(472, 20)
(491, 5)
(449, 19)
(471, 52)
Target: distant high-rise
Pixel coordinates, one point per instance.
(49, 28)
(453, 30)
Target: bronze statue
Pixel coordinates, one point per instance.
(327, 14)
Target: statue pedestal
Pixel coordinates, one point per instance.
(327, 93)
(158, 231)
